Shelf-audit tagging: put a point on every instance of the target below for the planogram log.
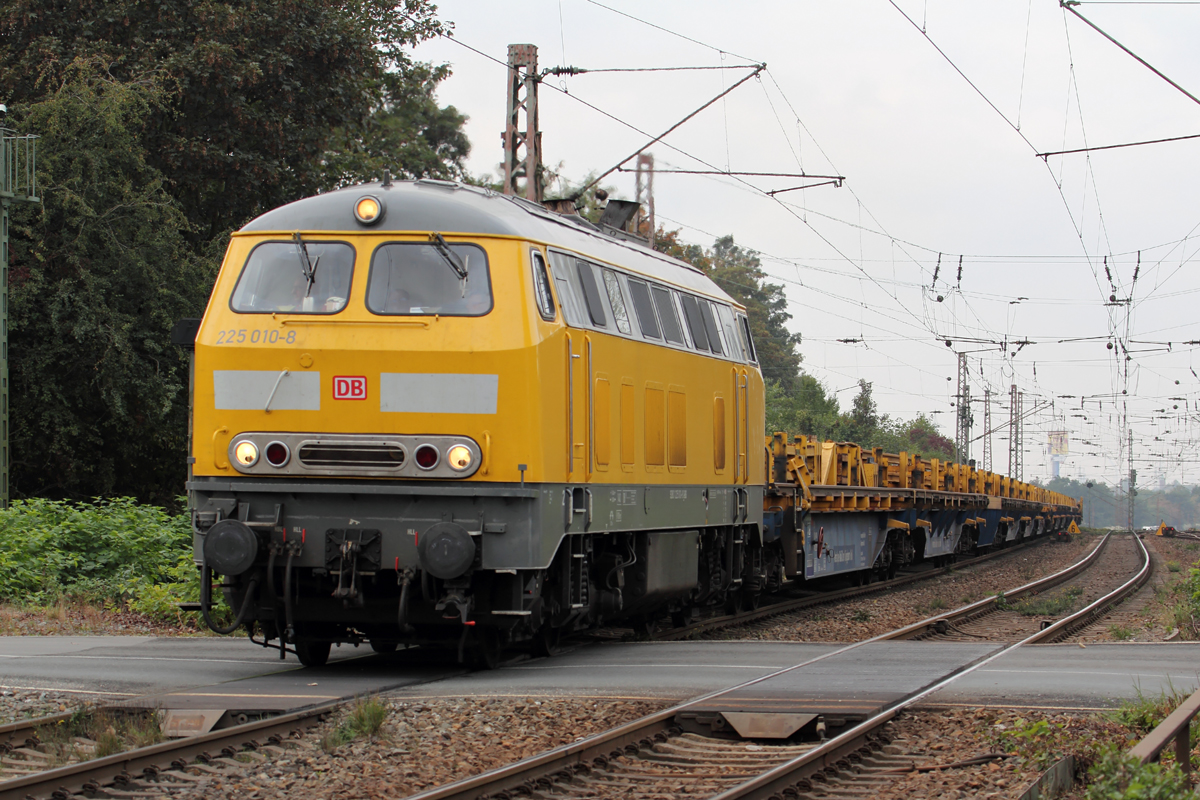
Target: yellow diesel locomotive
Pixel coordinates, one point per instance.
(427, 411)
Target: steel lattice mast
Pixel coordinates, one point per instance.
(522, 139)
(962, 430)
(18, 184)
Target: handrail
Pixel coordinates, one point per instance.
(1176, 726)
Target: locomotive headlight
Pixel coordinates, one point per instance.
(246, 453)
(368, 210)
(459, 457)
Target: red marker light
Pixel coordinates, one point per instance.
(427, 456)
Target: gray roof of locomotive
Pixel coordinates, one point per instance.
(451, 207)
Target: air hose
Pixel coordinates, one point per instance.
(206, 601)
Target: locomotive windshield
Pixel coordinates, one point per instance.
(414, 279)
(277, 278)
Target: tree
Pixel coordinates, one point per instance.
(101, 270)
(253, 92)
(164, 126)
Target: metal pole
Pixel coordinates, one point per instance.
(987, 429)
(962, 431)
(18, 184)
(522, 139)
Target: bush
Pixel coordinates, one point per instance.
(1118, 776)
(109, 552)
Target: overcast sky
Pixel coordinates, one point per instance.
(854, 88)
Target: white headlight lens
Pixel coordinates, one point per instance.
(246, 453)
(459, 457)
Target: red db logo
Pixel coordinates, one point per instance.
(349, 387)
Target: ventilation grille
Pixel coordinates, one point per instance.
(378, 456)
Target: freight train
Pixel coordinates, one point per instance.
(424, 411)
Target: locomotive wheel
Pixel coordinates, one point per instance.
(547, 641)
(312, 654)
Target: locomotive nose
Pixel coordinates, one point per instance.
(230, 547)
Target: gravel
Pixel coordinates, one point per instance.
(19, 704)
(422, 744)
(872, 615)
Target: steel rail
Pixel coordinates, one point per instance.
(533, 773)
(89, 775)
(20, 732)
(779, 779)
(1086, 616)
(775, 609)
(988, 604)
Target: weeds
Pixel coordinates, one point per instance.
(1061, 603)
(861, 615)
(1119, 776)
(1173, 566)
(1120, 632)
(366, 718)
(88, 734)
(1145, 713)
(937, 603)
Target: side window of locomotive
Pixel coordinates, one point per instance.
(666, 312)
(691, 310)
(729, 328)
(643, 306)
(418, 279)
(295, 278)
(565, 278)
(617, 300)
(591, 293)
(541, 286)
(710, 325)
(747, 339)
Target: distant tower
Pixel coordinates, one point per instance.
(1014, 432)
(962, 430)
(987, 429)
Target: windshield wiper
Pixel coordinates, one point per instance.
(451, 258)
(308, 266)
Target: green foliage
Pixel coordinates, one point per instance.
(284, 76)
(1118, 776)
(1120, 632)
(1173, 566)
(110, 552)
(101, 271)
(862, 615)
(1144, 714)
(163, 127)
(366, 718)
(1052, 606)
(113, 731)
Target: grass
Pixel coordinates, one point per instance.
(90, 733)
(1120, 632)
(861, 616)
(1173, 566)
(1144, 714)
(1052, 606)
(365, 719)
(936, 604)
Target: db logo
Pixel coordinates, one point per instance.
(349, 387)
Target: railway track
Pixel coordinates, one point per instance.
(641, 759)
(775, 609)
(1014, 615)
(657, 755)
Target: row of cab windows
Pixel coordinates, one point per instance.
(423, 279)
(605, 299)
